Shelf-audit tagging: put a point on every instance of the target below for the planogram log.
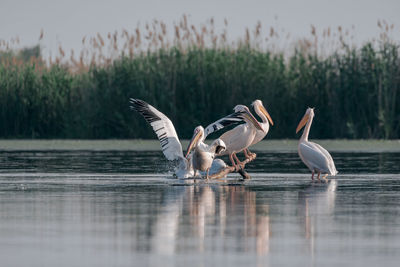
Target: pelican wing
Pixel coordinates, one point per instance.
(314, 157)
(331, 163)
(163, 128)
(224, 122)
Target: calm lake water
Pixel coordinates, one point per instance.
(122, 208)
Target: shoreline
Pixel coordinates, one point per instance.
(284, 145)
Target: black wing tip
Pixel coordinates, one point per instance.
(145, 109)
(233, 118)
(135, 101)
(237, 115)
(137, 104)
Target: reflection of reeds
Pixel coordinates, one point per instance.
(197, 74)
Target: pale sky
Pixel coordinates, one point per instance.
(67, 22)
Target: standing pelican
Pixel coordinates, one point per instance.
(239, 137)
(314, 156)
(203, 154)
(169, 140)
(260, 134)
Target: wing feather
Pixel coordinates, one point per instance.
(163, 128)
(331, 163)
(231, 119)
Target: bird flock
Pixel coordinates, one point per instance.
(201, 159)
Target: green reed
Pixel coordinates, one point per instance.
(355, 90)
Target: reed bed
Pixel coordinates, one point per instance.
(195, 75)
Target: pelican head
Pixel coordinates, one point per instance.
(219, 146)
(247, 116)
(307, 116)
(198, 135)
(258, 105)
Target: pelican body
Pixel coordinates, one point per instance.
(203, 154)
(266, 120)
(314, 156)
(240, 137)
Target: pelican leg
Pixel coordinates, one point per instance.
(207, 173)
(233, 162)
(312, 176)
(195, 173)
(239, 163)
(246, 153)
(319, 173)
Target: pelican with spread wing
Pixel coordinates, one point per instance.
(170, 143)
(314, 156)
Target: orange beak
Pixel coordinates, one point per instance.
(265, 112)
(303, 122)
(193, 142)
(253, 120)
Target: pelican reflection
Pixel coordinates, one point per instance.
(205, 214)
(316, 202)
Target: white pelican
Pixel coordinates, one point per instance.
(169, 140)
(314, 156)
(239, 137)
(260, 134)
(203, 154)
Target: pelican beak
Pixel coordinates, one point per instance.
(265, 112)
(253, 120)
(303, 122)
(193, 143)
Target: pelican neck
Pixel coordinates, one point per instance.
(306, 131)
(261, 115)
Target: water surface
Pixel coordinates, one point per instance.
(122, 208)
